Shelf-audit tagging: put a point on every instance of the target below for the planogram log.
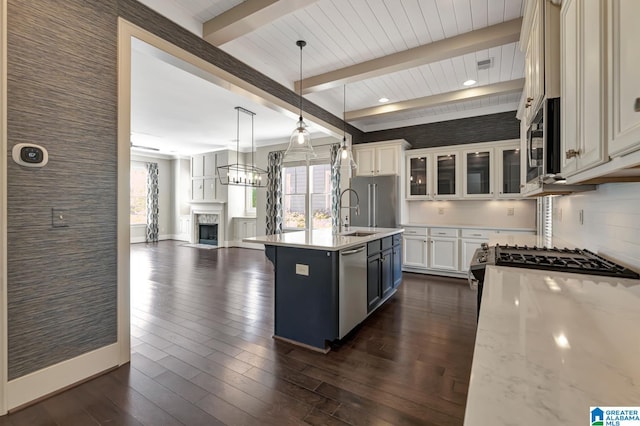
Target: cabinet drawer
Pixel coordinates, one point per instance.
(415, 231)
(387, 243)
(475, 233)
(373, 247)
(397, 239)
(443, 232)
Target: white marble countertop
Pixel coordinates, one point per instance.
(550, 345)
(324, 239)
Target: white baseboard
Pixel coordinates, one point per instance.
(41, 383)
(254, 246)
(179, 237)
(453, 274)
(135, 240)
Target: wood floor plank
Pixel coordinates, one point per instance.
(203, 353)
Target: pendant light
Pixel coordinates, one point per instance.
(300, 142)
(242, 174)
(345, 156)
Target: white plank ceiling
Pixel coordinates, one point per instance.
(345, 33)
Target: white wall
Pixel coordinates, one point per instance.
(611, 225)
(165, 186)
(492, 213)
(180, 190)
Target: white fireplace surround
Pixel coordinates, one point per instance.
(208, 214)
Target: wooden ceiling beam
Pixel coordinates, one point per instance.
(473, 93)
(473, 41)
(246, 17)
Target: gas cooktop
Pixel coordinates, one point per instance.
(580, 261)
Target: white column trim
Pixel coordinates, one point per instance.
(124, 170)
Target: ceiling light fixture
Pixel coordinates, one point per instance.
(242, 174)
(383, 100)
(345, 156)
(469, 82)
(300, 142)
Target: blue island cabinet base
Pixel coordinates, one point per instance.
(306, 295)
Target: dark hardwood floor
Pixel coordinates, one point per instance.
(202, 353)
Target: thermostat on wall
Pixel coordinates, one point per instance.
(30, 155)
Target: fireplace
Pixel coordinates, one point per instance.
(207, 225)
(208, 234)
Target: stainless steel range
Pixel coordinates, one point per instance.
(579, 261)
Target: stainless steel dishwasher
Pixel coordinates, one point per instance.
(352, 288)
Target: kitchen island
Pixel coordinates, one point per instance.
(326, 284)
(551, 345)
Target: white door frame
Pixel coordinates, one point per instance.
(204, 69)
(3, 207)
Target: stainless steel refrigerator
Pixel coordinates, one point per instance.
(378, 201)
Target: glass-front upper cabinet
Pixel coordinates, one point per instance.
(508, 172)
(418, 182)
(477, 176)
(446, 175)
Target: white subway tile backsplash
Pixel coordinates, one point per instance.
(611, 221)
(493, 213)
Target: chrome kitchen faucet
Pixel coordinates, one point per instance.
(356, 208)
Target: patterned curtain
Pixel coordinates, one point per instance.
(274, 193)
(335, 190)
(152, 203)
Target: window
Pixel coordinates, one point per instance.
(250, 199)
(307, 196)
(138, 195)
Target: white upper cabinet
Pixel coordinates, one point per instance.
(600, 91)
(534, 61)
(447, 180)
(418, 179)
(434, 173)
(478, 169)
(582, 85)
(624, 84)
(375, 159)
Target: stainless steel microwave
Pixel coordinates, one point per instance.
(543, 144)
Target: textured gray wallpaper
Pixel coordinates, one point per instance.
(486, 128)
(62, 91)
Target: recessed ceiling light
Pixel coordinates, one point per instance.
(383, 100)
(469, 82)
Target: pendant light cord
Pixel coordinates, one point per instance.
(344, 113)
(302, 44)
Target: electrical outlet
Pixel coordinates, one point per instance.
(511, 211)
(581, 217)
(440, 210)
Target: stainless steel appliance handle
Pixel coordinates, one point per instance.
(375, 205)
(353, 251)
(369, 203)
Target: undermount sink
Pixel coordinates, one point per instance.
(359, 234)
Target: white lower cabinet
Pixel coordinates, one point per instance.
(414, 251)
(244, 228)
(444, 253)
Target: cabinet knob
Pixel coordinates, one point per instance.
(572, 153)
(529, 99)
(636, 105)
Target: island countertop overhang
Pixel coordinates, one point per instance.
(324, 239)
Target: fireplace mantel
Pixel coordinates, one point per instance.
(208, 208)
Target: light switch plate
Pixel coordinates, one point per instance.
(440, 210)
(59, 218)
